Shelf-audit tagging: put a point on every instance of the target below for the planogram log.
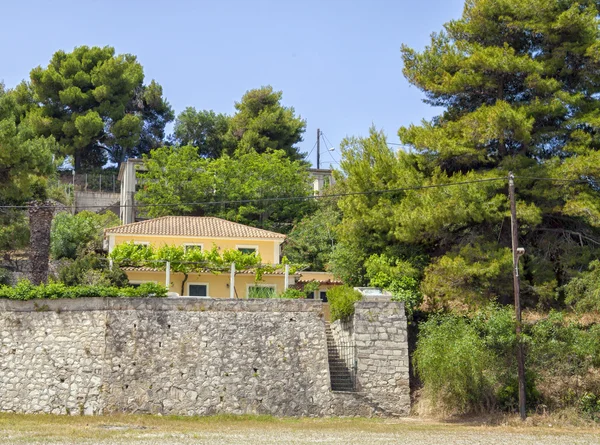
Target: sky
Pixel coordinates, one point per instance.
(338, 62)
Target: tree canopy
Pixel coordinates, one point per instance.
(203, 129)
(246, 188)
(96, 106)
(261, 124)
(518, 82)
(25, 158)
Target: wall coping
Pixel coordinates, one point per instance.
(89, 304)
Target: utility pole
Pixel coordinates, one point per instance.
(517, 252)
(318, 148)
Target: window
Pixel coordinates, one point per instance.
(188, 247)
(142, 243)
(247, 249)
(261, 291)
(310, 296)
(323, 295)
(197, 290)
(137, 283)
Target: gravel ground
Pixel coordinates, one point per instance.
(304, 431)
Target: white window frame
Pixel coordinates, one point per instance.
(186, 245)
(247, 246)
(249, 285)
(197, 284)
(142, 243)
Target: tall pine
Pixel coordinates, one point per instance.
(519, 83)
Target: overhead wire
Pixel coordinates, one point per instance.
(310, 197)
(284, 198)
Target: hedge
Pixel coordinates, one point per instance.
(24, 290)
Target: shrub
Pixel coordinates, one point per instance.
(341, 301)
(91, 270)
(451, 359)
(292, 294)
(397, 276)
(589, 405)
(583, 292)
(72, 235)
(24, 290)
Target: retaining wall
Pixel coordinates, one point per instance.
(179, 356)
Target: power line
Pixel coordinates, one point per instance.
(309, 197)
(325, 138)
(284, 198)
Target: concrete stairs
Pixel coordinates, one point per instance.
(341, 377)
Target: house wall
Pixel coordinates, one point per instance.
(269, 250)
(218, 285)
(182, 356)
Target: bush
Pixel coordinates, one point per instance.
(73, 235)
(583, 292)
(24, 290)
(397, 276)
(292, 294)
(452, 361)
(91, 270)
(341, 301)
(589, 405)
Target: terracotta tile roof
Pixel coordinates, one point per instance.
(238, 272)
(326, 281)
(201, 226)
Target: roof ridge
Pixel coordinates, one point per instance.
(181, 225)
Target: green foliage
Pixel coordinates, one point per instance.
(347, 263)
(292, 294)
(24, 290)
(583, 292)
(91, 270)
(563, 348)
(473, 276)
(182, 260)
(341, 301)
(204, 130)
(180, 176)
(589, 404)
(261, 292)
(517, 83)
(94, 103)
(14, 231)
(25, 158)
(558, 353)
(313, 239)
(451, 359)
(262, 124)
(76, 234)
(397, 276)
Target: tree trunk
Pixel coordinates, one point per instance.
(185, 278)
(40, 221)
(77, 161)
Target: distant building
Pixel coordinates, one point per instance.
(321, 178)
(128, 178)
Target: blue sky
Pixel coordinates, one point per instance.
(337, 62)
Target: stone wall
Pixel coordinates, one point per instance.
(379, 331)
(174, 356)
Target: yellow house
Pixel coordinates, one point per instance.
(204, 233)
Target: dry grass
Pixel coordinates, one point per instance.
(125, 429)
